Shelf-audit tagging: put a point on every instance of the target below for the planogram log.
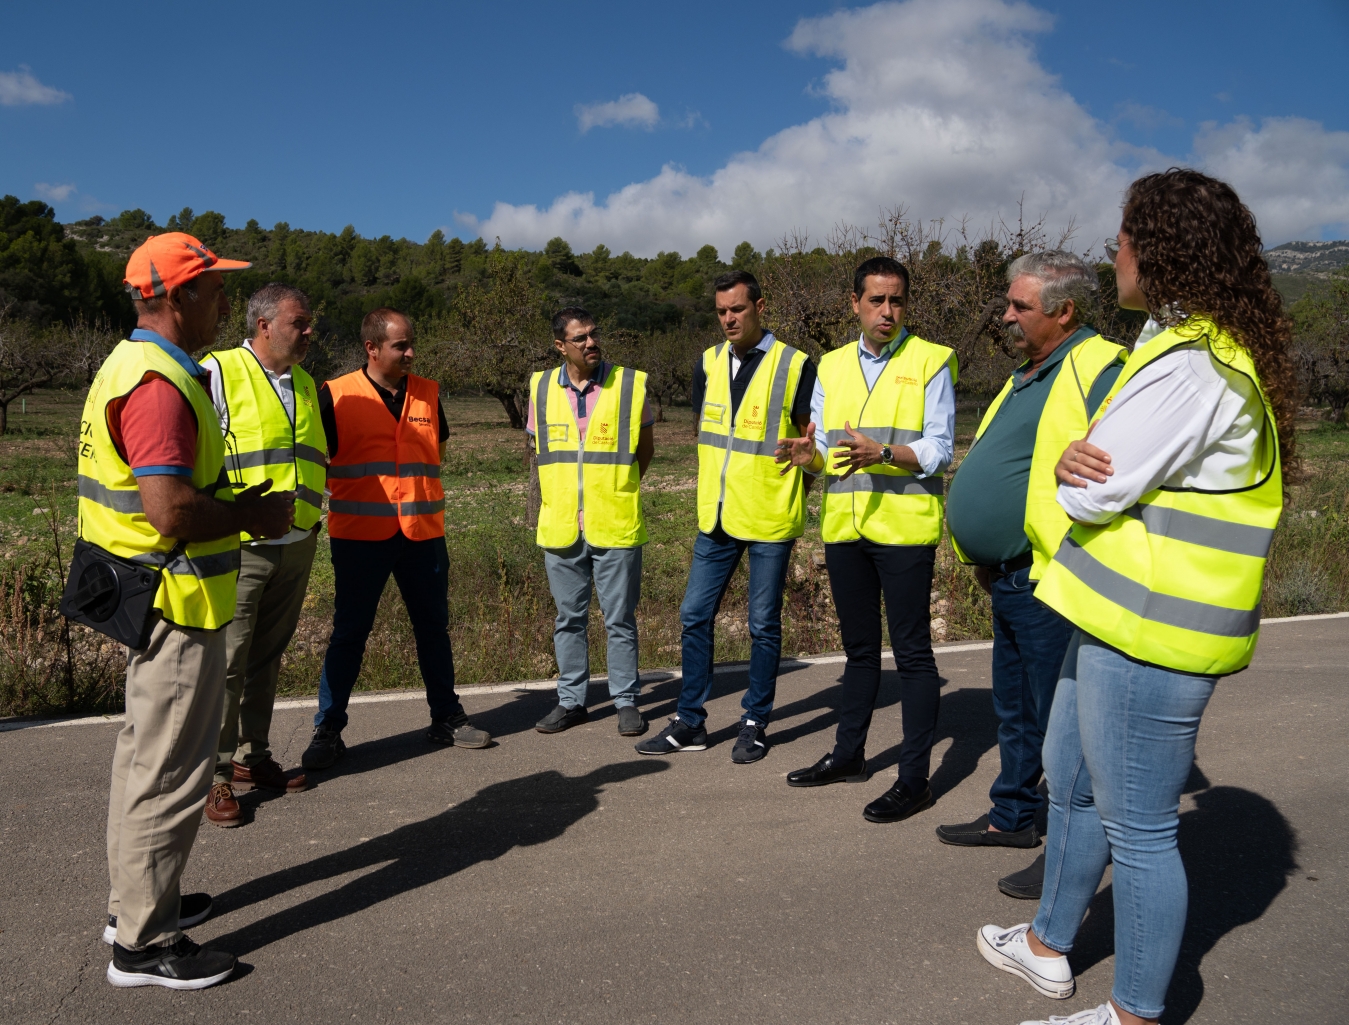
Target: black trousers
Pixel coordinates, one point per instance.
(860, 572)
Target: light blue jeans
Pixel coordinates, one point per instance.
(617, 576)
(1118, 752)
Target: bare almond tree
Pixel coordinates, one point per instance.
(28, 359)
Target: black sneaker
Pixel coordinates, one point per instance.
(181, 965)
(1027, 884)
(630, 721)
(457, 731)
(675, 737)
(562, 718)
(751, 745)
(192, 909)
(325, 747)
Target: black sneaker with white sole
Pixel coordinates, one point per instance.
(678, 736)
(181, 965)
(751, 745)
(192, 909)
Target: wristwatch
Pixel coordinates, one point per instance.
(887, 456)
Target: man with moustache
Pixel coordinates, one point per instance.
(268, 409)
(885, 405)
(1004, 520)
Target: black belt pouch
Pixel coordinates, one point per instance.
(112, 595)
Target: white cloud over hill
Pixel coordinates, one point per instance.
(942, 106)
(21, 89)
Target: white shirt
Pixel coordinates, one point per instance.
(1184, 420)
(284, 386)
(935, 449)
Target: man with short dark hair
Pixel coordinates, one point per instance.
(1005, 520)
(268, 409)
(593, 436)
(386, 434)
(886, 407)
(748, 392)
(153, 490)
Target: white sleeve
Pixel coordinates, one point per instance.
(218, 391)
(935, 449)
(1161, 420)
(817, 418)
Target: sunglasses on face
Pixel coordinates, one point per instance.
(1112, 249)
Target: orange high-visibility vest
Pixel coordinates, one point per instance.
(386, 474)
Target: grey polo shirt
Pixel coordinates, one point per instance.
(986, 507)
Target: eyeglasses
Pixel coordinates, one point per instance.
(1112, 249)
(593, 333)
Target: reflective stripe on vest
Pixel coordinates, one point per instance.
(737, 475)
(885, 504)
(386, 474)
(261, 441)
(1064, 419)
(197, 589)
(598, 477)
(1176, 579)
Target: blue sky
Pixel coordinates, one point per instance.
(406, 117)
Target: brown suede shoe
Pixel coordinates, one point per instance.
(269, 775)
(221, 807)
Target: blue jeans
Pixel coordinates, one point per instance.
(360, 571)
(1118, 752)
(1029, 642)
(715, 557)
(617, 576)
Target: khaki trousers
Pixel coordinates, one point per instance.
(161, 772)
(272, 584)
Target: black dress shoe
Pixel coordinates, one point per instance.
(562, 718)
(1027, 884)
(826, 770)
(897, 804)
(977, 834)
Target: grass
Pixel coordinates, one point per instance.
(501, 612)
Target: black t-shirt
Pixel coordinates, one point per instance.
(800, 404)
(393, 401)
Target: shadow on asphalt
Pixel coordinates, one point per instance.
(515, 813)
(1238, 851)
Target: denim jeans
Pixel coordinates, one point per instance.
(617, 576)
(1118, 752)
(360, 571)
(715, 557)
(1029, 642)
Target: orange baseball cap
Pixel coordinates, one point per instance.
(164, 262)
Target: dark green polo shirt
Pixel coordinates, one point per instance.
(986, 508)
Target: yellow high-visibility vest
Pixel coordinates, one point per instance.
(737, 475)
(885, 504)
(599, 476)
(197, 588)
(260, 440)
(1176, 579)
(1064, 419)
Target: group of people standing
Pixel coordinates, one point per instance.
(1124, 571)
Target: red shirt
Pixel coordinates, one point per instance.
(154, 429)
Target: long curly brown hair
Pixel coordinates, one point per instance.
(1199, 251)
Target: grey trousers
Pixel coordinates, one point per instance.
(617, 576)
(272, 584)
(161, 772)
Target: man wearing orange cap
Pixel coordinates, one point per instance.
(152, 489)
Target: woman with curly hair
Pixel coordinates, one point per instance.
(1174, 500)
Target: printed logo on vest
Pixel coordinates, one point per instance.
(604, 429)
(424, 420)
(905, 379)
(754, 421)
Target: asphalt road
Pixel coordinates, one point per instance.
(566, 879)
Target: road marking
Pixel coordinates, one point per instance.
(651, 676)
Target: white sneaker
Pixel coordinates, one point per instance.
(1103, 1015)
(1007, 949)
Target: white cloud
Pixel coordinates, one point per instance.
(632, 110)
(941, 106)
(54, 193)
(21, 89)
(1290, 171)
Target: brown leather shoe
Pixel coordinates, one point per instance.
(221, 807)
(269, 775)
